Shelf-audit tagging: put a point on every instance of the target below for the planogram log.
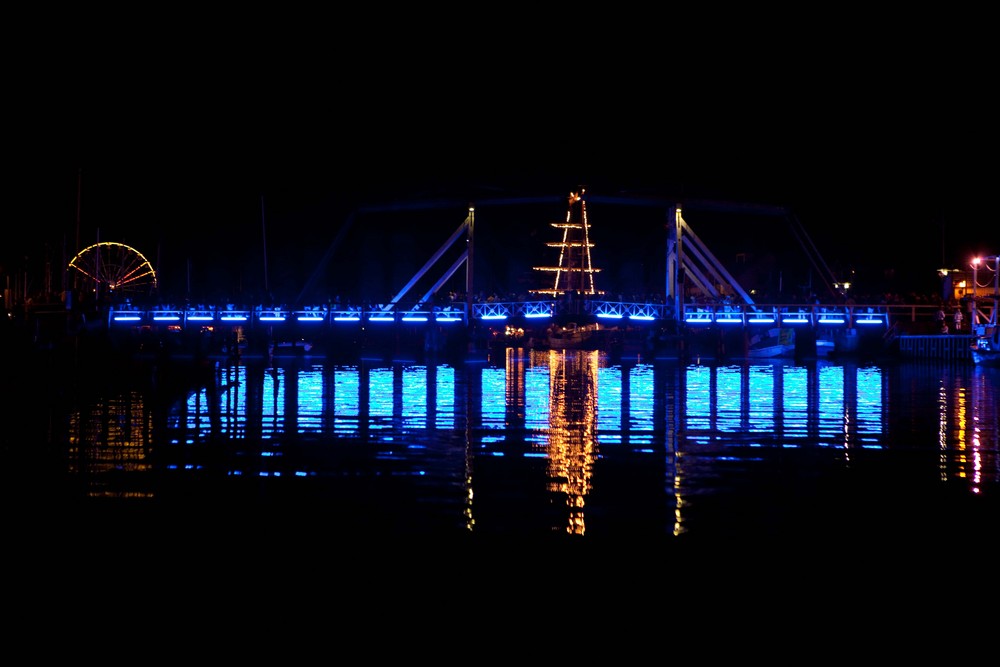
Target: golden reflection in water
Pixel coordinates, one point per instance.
(953, 406)
(108, 441)
(942, 429)
(961, 431)
(965, 410)
(981, 398)
(572, 447)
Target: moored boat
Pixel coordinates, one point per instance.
(775, 342)
(985, 348)
(291, 348)
(572, 336)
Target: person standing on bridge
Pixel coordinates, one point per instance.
(958, 319)
(942, 324)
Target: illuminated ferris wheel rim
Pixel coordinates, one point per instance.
(116, 265)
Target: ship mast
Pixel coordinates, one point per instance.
(574, 273)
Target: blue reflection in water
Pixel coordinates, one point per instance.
(698, 385)
(414, 408)
(788, 405)
(560, 439)
(273, 410)
(310, 405)
(795, 405)
(536, 403)
(760, 386)
(833, 419)
(444, 380)
(641, 406)
(233, 402)
(381, 397)
(346, 401)
(609, 401)
(870, 414)
(729, 399)
(493, 406)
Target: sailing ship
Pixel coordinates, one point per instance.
(574, 273)
(573, 280)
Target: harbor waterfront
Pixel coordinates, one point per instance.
(703, 311)
(457, 436)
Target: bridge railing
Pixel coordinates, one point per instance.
(233, 314)
(613, 310)
(786, 315)
(274, 316)
(644, 311)
(503, 310)
(904, 316)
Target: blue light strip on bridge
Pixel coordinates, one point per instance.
(639, 313)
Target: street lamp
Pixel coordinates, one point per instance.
(974, 315)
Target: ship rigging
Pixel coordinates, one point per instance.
(574, 272)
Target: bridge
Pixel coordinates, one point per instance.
(699, 289)
(457, 314)
(700, 293)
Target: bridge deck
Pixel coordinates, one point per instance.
(905, 318)
(693, 315)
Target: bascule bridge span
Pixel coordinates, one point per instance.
(699, 290)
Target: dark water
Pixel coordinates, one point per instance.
(541, 444)
(508, 463)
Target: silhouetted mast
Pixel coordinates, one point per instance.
(263, 224)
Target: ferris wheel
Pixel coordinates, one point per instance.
(115, 269)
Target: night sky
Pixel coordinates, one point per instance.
(882, 154)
